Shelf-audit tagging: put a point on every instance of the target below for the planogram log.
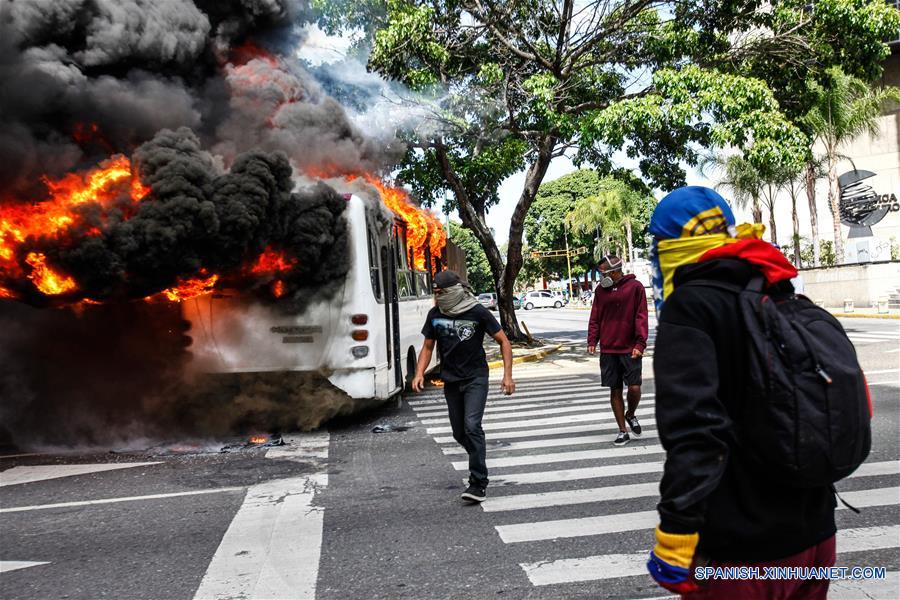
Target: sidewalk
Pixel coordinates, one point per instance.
(521, 353)
(864, 313)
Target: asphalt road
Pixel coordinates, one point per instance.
(350, 513)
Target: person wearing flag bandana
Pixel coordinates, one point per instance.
(716, 508)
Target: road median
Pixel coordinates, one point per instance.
(523, 355)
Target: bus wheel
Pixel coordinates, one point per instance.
(410, 369)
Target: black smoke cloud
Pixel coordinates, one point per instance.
(197, 221)
(134, 67)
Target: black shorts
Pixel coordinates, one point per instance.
(616, 368)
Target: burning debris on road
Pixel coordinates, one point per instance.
(255, 441)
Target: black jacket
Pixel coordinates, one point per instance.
(708, 487)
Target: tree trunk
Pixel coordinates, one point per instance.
(757, 209)
(774, 232)
(834, 200)
(813, 213)
(628, 239)
(507, 282)
(796, 221)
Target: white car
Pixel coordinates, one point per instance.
(541, 299)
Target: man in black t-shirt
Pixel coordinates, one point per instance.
(458, 324)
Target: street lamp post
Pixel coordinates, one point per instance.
(568, 259)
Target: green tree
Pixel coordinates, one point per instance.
(741, 178)
(848, 34)
(613, 215)
(545, 227)
(846, 107)
(512, 85)
(477, 267)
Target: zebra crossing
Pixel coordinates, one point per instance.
(577, 514)
(888, 334)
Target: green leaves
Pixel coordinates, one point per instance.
(709, 107)
(405, 48)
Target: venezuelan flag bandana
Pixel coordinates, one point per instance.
(686, 224)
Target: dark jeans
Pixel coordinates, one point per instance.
(465, 405)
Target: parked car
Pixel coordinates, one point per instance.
(561, 295)
(489, 301)
(541, 299)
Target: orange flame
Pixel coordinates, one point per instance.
(48, 281)
(422, 227)
(259, 439)
(190, 288)
(278, 288)
(271, 261)
(18, 221)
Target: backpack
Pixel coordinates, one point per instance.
(806, 418)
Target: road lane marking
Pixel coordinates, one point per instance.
(620, 492)
(890, 467)
(516, 402)
(521, 383)
(31, 474)
(553, 443)
(549, 421)
(272, 548)
(13, 509)
(847, 589)
(520, 393)
(14, 565)
(575, 474)
(613, 566)
(541, 459)
(586, 526)
(529, 433)
(504, 417)
(500, 408)
(569, 497)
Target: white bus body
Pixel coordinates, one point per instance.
(237, 334)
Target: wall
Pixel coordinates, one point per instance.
(863, 283)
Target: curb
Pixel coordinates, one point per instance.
(863, 316)
(496, 364)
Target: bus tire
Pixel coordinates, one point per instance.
(410, 369)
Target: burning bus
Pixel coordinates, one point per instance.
(363, 337)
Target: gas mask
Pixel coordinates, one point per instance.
(607, 281)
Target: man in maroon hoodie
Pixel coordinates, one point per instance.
(619, 324)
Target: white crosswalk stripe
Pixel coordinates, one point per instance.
(607, 566)
(518, 424)
(549, 448)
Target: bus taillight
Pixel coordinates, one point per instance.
(360, 335)
(359, 319)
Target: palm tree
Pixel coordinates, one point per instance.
(813, 171)
(741, 178)
(793, 182)
(614, 211)
(845, 108)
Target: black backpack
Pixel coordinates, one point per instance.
(807, 417)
